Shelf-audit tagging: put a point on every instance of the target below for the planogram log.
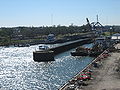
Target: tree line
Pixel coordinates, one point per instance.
(25, 33)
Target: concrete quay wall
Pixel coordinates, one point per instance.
(68, 46)
(83, 70)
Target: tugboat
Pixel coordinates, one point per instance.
(81, 51)
(92, 52)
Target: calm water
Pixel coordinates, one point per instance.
(18, 71)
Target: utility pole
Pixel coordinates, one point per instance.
(97, 18)
(51, 19)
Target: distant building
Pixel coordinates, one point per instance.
(51, 38)
(116, 36)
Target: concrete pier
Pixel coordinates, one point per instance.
(70, 45)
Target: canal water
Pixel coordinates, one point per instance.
(18, 71)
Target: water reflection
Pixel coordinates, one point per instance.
(19, 71)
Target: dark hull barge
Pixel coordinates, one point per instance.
(48, 55)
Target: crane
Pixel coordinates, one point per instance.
(88, 24)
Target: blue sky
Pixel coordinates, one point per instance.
(55, 12)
